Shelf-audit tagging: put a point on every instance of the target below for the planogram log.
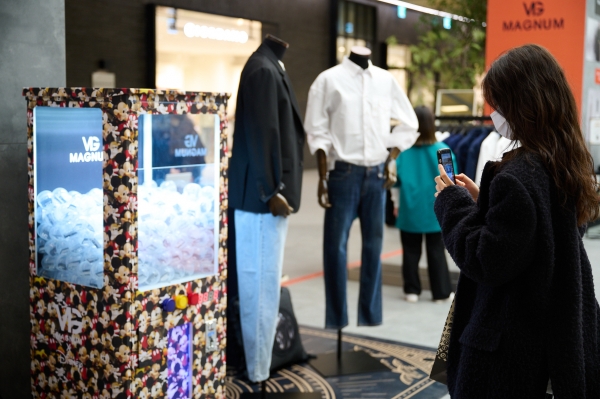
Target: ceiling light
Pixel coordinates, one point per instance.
(427, 10)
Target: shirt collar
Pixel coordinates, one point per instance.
(355, 69)
(282, 64)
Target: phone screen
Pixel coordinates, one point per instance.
(447, 164)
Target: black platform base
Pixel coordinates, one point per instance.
(281, 395)
(351, 362)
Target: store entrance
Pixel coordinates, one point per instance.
(199, 51)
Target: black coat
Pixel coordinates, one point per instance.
(525, 307)
(268, 140)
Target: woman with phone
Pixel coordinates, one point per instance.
(414, 213)
(525, 312)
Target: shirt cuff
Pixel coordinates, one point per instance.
(402, 137)
(318, 143)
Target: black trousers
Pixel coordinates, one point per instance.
(439, 276)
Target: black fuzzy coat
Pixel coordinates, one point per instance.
(525, 307)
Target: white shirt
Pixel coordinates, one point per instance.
(487, 152)
(441, 136)
(492, 149)
(349, 111)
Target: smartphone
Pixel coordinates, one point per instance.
(445, 159)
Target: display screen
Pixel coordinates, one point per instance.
(447, 164)
(68, 194)
(178, 194)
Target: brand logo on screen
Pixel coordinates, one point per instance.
(190, 141)
(534, 9)
(91, 154)
(70, 320)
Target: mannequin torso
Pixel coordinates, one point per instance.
(360, 56)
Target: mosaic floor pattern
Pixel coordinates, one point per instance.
(407, 377)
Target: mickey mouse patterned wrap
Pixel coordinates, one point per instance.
(114, 342)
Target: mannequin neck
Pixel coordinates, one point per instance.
(277, 47)
(360, 60)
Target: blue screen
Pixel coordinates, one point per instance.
(447, 164)
(68, 194)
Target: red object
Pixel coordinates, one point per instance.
(156, 355)
(598, 76)
(193, 299)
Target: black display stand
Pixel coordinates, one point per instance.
(263, 394)
(346, 363)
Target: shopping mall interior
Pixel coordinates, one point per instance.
(150, 300)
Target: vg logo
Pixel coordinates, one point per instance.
(534, 9)
(70, 320)
(190, 140)
(91, 144)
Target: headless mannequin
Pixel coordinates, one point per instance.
(330, 364)
(360, 60)
(360, 56)
(278, 205)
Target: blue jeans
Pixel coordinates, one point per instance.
(354, 191)
(260, 241)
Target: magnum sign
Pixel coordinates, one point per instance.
(558, 25)
(536, 24)
(534, 9)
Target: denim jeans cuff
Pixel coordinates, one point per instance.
(370, 324)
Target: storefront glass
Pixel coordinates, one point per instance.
(397, 60)
(355, 27)
(196, 51)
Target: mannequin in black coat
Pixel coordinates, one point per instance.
(265, 179)
(525, 308)
(265, 170)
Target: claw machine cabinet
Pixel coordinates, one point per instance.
(127, 232)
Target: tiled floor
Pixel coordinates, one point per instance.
(420, 323)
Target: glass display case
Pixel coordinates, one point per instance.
(178, 198)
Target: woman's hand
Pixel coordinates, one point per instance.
(396, 212)
(442, 181)
(464, 181)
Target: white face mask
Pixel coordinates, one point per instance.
(501, 125)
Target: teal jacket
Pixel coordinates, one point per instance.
(417, 167)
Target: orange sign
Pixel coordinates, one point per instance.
(558, 25)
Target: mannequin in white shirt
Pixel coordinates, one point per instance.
(360, 56)
(348, 121)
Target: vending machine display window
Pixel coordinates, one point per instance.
(69, 196)
(178, 199)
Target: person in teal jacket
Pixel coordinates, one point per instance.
(415, 215)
